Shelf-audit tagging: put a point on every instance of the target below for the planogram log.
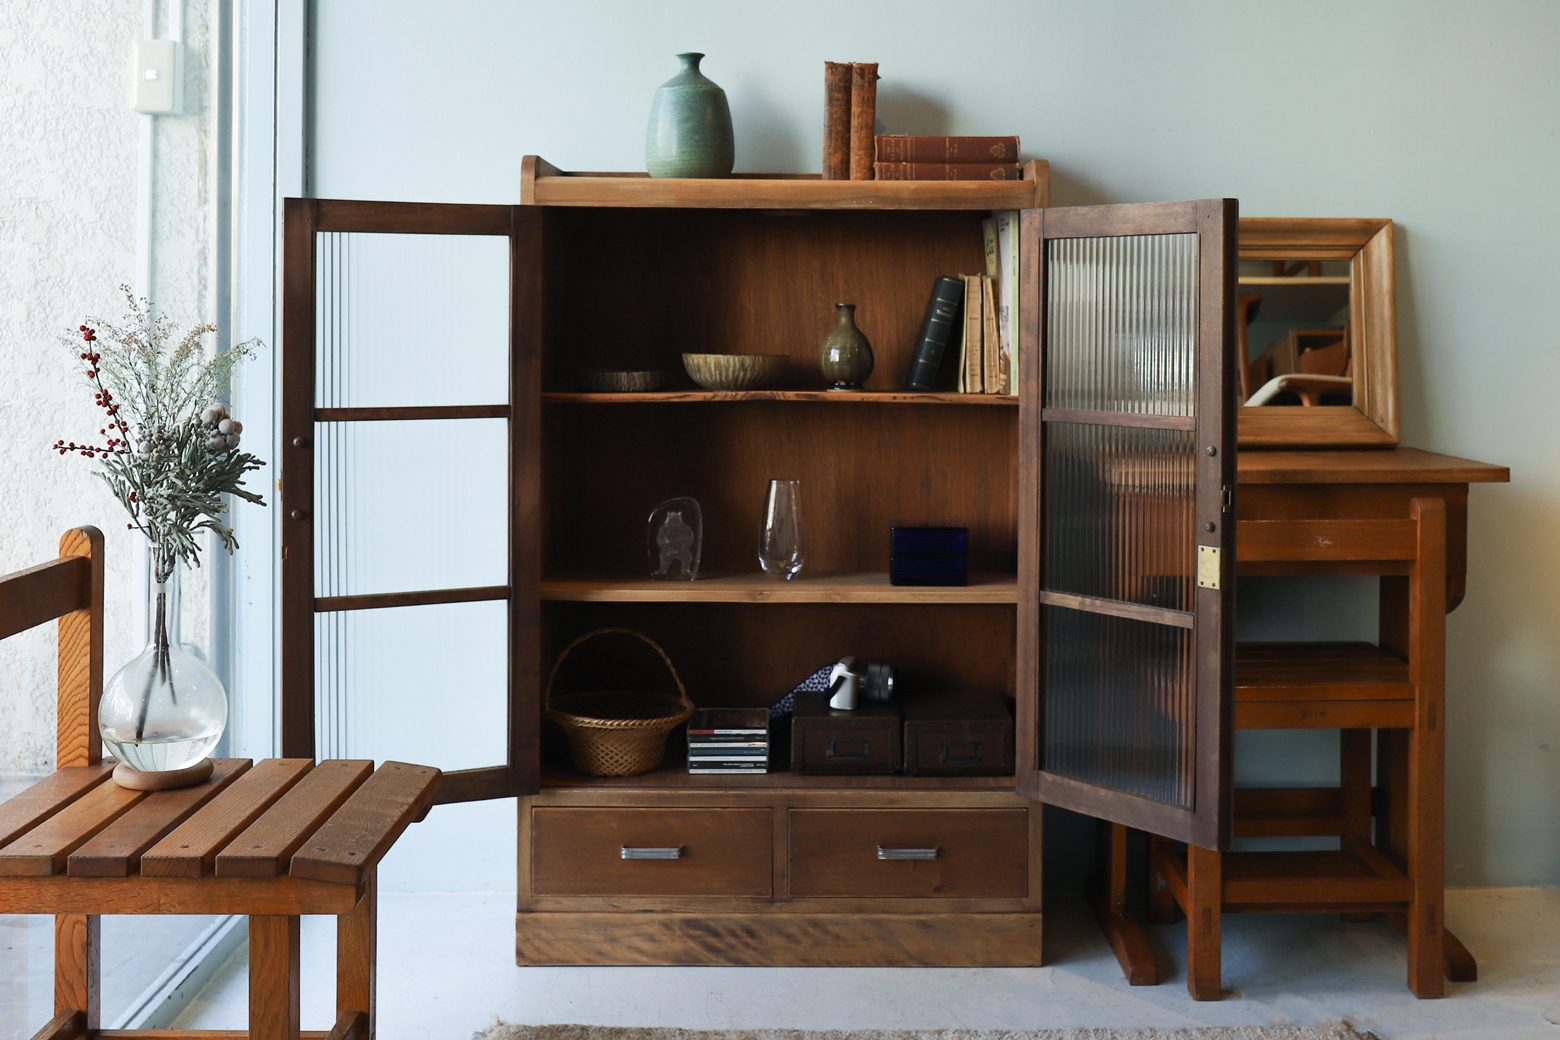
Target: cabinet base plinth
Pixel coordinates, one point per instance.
(774, 940)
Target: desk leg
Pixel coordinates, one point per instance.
(1108, 899)
(1204, 923)
(77, 965)
(273, 978)
(357, 944)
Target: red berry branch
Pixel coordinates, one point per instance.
(119, 444)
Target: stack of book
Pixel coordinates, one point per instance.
(900, 158)
(988, 314)
(849, 119)
(729, 740)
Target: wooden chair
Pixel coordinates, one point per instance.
(1390, 834)
(284, 838)
(71, 589)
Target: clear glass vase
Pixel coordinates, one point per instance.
(781, 550)
(165, 710)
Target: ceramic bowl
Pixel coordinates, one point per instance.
(735, 371)
(618, 380)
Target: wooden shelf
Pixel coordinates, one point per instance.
(831, 396)
(1324, 279)
(758, 588)
(542, 184)
(674, 775)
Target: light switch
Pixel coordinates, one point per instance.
(158, 76)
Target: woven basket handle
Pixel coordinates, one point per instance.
(682, 691)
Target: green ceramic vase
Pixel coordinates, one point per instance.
(690, 126)
(845, 358)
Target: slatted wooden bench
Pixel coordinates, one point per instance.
(273, 840)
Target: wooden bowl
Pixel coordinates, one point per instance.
(618, 380)
(735, 371)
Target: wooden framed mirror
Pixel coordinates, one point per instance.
(1316, 328)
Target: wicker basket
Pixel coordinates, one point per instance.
(617, 733)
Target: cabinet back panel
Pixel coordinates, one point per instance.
(638, 288)
(750, 655)
(862, 467)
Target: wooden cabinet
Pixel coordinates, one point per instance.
(1104, 561)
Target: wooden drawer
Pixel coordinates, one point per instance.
(979, 852)
(721, 852)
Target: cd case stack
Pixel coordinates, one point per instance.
(729, 740)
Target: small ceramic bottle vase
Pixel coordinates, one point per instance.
(845, 358)
(690, 126)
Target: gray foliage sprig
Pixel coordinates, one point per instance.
(171, 449)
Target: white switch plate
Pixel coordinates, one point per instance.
(159, 76)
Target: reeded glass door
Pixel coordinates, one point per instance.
(409, 488)
(1126, 554)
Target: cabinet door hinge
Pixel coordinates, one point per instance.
(1227, 498)
(1207, 567)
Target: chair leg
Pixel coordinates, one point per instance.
(1204, 922)
(357, 944)
(1162, 907)
(78, 965)
(273, 978)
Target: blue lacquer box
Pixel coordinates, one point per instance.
(929, 556)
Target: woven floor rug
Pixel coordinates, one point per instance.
(505, 1031)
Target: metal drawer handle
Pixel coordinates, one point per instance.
(886, 853)
(630, 852)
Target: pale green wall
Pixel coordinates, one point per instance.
(1441, 116)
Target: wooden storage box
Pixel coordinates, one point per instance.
(958, 734)
(827, 741)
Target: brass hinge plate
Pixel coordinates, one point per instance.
(1207, 566)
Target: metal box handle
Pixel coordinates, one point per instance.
(630, 852)
(887, 853)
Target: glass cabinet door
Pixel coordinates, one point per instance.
(410, 484)
(1126, 526)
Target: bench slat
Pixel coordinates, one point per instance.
(192, 847)
(354, 839)
(116, 850)
(42, 851)
(264, 849)
(48, 796)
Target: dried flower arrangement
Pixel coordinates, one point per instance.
(169, 454)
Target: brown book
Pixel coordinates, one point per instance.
(836, 120)
(900, 148)
(863, 119)
(991, 349)
(904, 171)
(974, 326)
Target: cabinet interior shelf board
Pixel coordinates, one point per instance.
(870, 587)
(833, 397)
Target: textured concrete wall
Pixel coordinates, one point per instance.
(68, 142)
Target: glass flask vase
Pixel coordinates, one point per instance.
(781, 550)
(165, 710)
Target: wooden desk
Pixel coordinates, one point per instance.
(1321, 486)
(274, 841)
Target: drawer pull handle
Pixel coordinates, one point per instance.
(836, 751)
(630, 852)
(886, 853)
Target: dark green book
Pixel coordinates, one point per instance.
(939, 333)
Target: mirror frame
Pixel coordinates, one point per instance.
(1372, 420)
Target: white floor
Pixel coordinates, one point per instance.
(446, 966)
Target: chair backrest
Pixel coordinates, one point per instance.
(70, 589)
